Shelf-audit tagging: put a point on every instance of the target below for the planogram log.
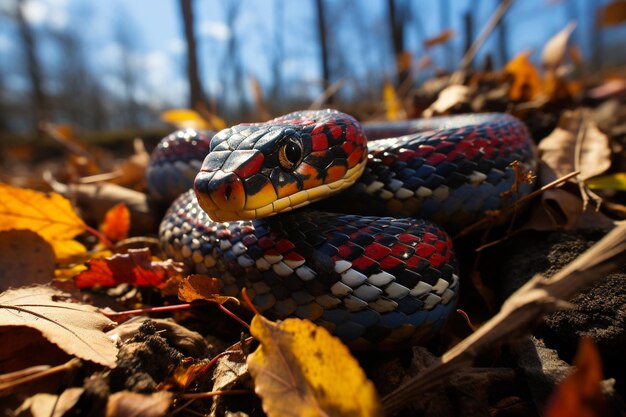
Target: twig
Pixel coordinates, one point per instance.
(518, 315)
(488, 219)
(480, 40)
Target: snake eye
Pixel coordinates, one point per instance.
(290, 153)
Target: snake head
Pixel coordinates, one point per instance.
(258, 170)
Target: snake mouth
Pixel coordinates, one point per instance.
(222, 195)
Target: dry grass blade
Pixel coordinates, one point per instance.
(518, 315)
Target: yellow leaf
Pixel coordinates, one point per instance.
(185, 118)
(50, 215)
(526, 80)
(615, 181)
(301, 370)
(393, 108)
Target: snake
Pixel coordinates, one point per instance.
(345, 224)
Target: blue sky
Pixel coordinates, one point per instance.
(159, 51)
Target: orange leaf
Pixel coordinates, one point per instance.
(526, 80)
(135, 267)
(202, 287)
(301, 370)
(50, 215)
(116, 222)
(580, 394)
(442, 37)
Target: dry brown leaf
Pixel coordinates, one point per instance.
(49, 405)
(555, 49)
(559, 150)
(75, 328)
(132, 404)
(449, 97)
(50, 215)
(301, 370)
(560, 209)
(202, 287)
(25, 259)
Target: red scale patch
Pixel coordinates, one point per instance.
(249, 240)
(348, 250)
(437, 260)
(336, 131)
(406, 155)
(402, 251)
(376, 251)
(429, 238)
(436, 159)
(440, 246)
(389, 159)
(272, 252)
(424, 250)
(424, 150)
(246, 230)
(319, 142)
(293, 256)
(222, 234)
(266, 243)
(416, 263)
(390, 263)
(347, 147)
(251, 166)
(407, 238)
(284, 245)
(363, 263)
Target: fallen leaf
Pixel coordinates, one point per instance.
(580, 393)
(75, 328)
(132, 404)
(202, 287)
(449, 97)
(231, 372)
(442, 37)
(49, 215)
(612, 14)
(116, 222)
(50, 405)
(186, 372)
(135, 267)
(615, 181)
(555, 49)
(25, 259)
(526, 80)
(301, 370)
(559, 149)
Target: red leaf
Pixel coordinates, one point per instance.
(580, 394)
(116, 222)
(135, 267)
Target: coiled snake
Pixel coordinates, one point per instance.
(369, 280)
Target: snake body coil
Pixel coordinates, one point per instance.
(369, 280)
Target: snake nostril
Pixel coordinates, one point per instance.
(228, 190)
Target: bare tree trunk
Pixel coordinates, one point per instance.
(40, 103)
(502, 41)
(279, 54)
(196, 93)
(397, 21)
(323, 39)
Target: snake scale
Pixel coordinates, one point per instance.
(364, 262)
